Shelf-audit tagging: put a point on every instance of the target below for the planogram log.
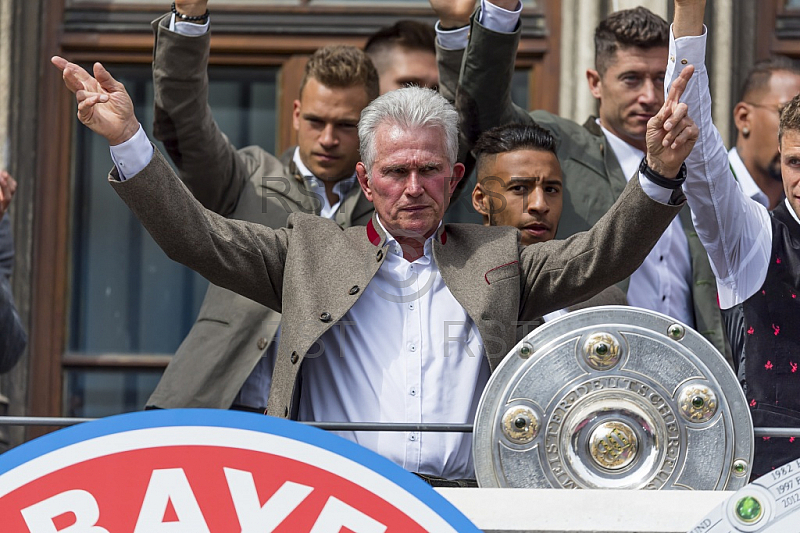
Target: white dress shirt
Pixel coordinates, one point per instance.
(407, 351)
(493, 17)
(735, 230)
(663, 282)
(746, 181)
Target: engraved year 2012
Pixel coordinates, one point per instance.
(790, 500)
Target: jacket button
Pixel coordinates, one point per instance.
(294, 358)
(325, 317)
(379, 255)
(354, 290)
(262, 343)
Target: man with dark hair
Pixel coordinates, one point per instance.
(12, 335)
(755, 160)
(598, 157)
(227, 358)
(519, 184)
(404, 54)
(519, 181)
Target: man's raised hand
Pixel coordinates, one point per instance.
(192, 8)
(671, 134)
(453, 13)
(103, 103)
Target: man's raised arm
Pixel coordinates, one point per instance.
(734, 230)
(182, 118)
(563, 272)
(243, 257)
(483, 97)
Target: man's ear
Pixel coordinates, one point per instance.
(595, 82)
(296, 115)
(363, 180)
(458, 175)
(480, 201)
(741, 118)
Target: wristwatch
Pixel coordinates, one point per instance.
(658, 179)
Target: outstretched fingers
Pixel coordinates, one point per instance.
(106, 80)
(75, 77)
(678, 86)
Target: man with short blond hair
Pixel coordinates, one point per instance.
(226, 359)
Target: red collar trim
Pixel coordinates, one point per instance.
(372, 234)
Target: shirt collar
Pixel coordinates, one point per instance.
(628, 156)
(746, 181)
(395, 247)
(341, 187)
(791, 211)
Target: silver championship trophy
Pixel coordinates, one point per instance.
(771, 504)
(613, 397)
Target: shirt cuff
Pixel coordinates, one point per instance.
(456, 39)
(658, 193)
(189, 29)
(133, 155)
(689, 50)
(498, 19)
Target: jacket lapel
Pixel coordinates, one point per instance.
(612, 169)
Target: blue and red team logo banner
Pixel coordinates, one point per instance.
(211, 471)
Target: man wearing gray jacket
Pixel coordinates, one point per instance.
(226, 359)
(401, 320)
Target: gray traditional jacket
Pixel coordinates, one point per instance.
(313, 271)
(231, 332)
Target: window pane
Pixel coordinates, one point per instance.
(98, 393)
(127, 296)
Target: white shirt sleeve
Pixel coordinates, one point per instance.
(456, 39)
(133, 155)
(498, 19)
(735, 230)
(188, 28)
(492, 17)
(656, 192)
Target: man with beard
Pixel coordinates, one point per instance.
(755, 159)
